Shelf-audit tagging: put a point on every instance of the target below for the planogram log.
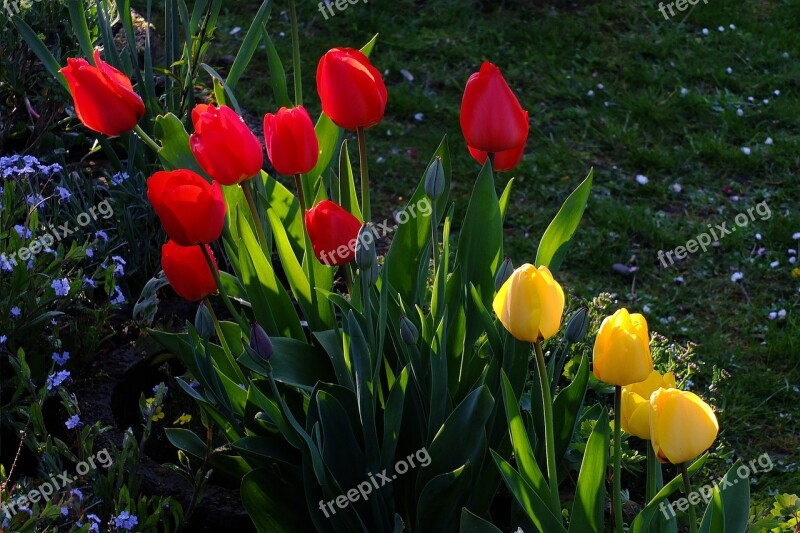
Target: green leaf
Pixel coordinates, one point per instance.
(249, 44)
(277, 74)
(567, 406)
(175, 152)
(347, 197)
(188, 441)
(590, 494)
(328, 135)
(294, 363)
(728, 510)
(471, 523)
(273, 505)
(41, 51)
(441, 499)
(77, 17)
(393, 418)
(536, 508)
(555, 241)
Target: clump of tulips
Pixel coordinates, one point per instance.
(314, 390)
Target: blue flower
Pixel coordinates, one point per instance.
(125, 520)
(61, 286)
(160, 386)
(73, 422)
(60, 359)
(64, 511)
(56, 379)
(119, 265)
(119, 178)
(29, 265)
(89, 253)
(75, 493)
(22, 231)
(63, 194)
(118, 298)
(93, 518)
(16, 312)
(3, 339)
(5, 264)
(88, 282)
(35, 199)
(101, 235)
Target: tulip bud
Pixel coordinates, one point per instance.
(635, 412)
(434, 180)
(366, 256)
(577, 325)
(530, 304)
(260, 342)
(622, 349)
(503, 273)
(373, 271)
(203, 323)
(682, 425)
(408, 331)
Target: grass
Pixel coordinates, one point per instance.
(663, 104)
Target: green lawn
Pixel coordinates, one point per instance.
(614, 86)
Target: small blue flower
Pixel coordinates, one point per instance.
(63, 194)
(75, 493)
(5, 264)
(125, 520)
(194, 384)
(16, 312)
(88, 282)
(93, 518)
(64, 511)
(101, 235)
(22, 231)
(73, 422)
(118, 298)
(89, 253)
(56, 379)
(119, 178)
(160, 386)
(35, 199)
(61, 286)
(3, 339)
(60, 359)
(29, 265)
(119, 265)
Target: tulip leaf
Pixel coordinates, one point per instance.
(221, 90)
(728, 510)
(249, 44)
(471, 523)
(291, 266)
(590, 492)
(77, 16)
(411, 241)
(393, 418)
(537, 509)
(367, 48)
(567, 406)
(556, 238)
(273, 504)
(294, 363)
(441, 499)
(285, 204)
(277, 74)
(38, 47)
(346, 196)
(175, 153)
(523, 452)
(340, 448)
(271, 304)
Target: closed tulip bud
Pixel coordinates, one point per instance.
(578, 325)
(351, 90)
(333, 232)
(191, 210)
(260, 342)
(505, 160)
(373, 272)
(492, 119)
(187, 270)
(682, 425)
(104, 98)
(292, 145)
(635, 413)
(434, 179)
(408, 331)
(366, 255)
(622, 349)
(203, 323)
(503, 273)
(530, 304)
(223, 145)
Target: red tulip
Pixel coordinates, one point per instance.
(191, 210)
(333, 233)
(223, 144)
(103, 96)
(187, 270)
(492, 119)
(505, 160)
(292, 144)
(351, 89)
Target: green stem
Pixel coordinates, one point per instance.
(544, 383)
(434, 236)
(687, 488)
(146, 138)
(251, 203)
(362, 155)
(301, 195)
(617, 490)
(214, 319)
(222, 292)
(367, 304)
(298, 81)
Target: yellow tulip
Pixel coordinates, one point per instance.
(622, 349)
(530, 303)
(635, 412)
(682, 425)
